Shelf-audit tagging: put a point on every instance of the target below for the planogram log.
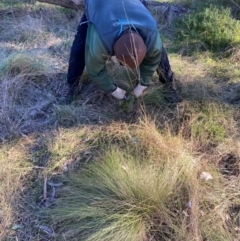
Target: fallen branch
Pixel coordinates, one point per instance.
(235, 4)
(79, 4)
(73, 4)
(45, 189)
(166, 10)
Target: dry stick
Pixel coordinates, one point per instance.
(138, 70)
(194, 215)
(235, 3)
(73, 4)
(45, 189)
(38, 167)
(79, 4)
(86, 101)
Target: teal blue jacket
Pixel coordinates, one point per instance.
(98, 48)
(112, 17)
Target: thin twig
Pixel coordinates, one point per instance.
(38, 167)
(45, 189)
(235, 3)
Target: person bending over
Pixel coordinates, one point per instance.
(127, 30)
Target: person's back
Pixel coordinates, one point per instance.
(111, 18)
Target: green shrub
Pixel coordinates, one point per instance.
(214, 28)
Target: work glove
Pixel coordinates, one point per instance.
(139, 90)
(119, 93)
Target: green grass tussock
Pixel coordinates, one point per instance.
(23, 64)
(154, 96)
(118, 197)
(145, 190)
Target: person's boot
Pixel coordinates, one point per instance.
(70, 93)
(66, 94)
(171, 94)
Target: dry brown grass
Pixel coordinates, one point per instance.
(25, 107)
(13, 170)
(136, 150)
(55, 140)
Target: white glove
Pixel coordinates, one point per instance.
(119, 93)
(139, 90)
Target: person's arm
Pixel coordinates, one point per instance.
(96, 56)
(151, 61)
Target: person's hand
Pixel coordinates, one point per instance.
(119, 93)
(137, 92)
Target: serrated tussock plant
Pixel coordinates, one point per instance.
(127, 193)
(23, 64)
(148, 190)
(122, 197)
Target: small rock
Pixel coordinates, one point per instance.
(206, 176)
(17, 226)
(189, 204)
(45, 229)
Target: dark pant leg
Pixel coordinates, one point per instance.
(144, 3)
(77, 54)
(164, 69)
(166, 77)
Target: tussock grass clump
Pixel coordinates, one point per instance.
(24, 64)
(121, 197)
(148, 189)
(154, 95)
